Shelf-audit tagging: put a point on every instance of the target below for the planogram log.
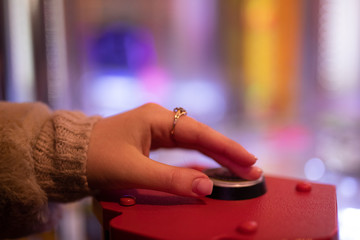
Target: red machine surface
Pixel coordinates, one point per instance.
(290, 209)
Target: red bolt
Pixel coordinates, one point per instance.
(127, 201)
(303, 187)
(247, 227)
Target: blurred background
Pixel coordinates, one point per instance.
(280, 77)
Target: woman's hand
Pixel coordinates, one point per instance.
(118, 154)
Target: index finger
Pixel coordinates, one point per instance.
(191, 134)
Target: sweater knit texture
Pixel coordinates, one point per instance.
(42, 159)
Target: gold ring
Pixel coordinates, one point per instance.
(179, 111)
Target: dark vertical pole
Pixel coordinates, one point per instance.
(3, 66)
(39, 50)
(310, 40)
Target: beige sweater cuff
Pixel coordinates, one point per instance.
(60, 155)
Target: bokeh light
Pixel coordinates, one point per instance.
(314, 169)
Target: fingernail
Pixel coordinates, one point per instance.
(202, 186)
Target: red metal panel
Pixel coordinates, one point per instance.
(286, 211)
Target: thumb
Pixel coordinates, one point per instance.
(176, 180)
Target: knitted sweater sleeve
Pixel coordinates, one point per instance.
(42, 159)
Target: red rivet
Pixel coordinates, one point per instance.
(303, 187)
(127, 201)
(247, 227)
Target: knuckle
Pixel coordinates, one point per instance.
(151, 106)
(173, 179)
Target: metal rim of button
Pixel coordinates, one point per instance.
(233, 183)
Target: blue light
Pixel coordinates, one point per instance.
(123, 48)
